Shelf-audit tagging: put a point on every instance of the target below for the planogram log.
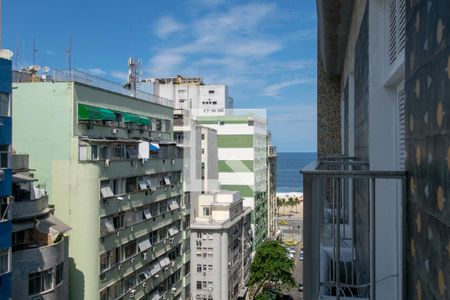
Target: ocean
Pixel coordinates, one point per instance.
(289, 165)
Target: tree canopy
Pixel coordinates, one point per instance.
(271, 265)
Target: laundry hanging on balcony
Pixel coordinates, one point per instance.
(154, 148)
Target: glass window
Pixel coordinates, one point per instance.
(129, 249)
(118, 221)
(4, 105)
(104, 261)
(199, 285)
(59, 273)
(4, 261)
(4, 156)
(94, 152)
(206, 211)
(131, 185)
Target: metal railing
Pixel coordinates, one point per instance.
(340, 227)
(92, 80)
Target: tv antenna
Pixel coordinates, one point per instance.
(34, 51)
(69, 54)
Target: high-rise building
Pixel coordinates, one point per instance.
(221, 241)
(271, 188)
(40, 249)
(376, 209)
(242, 155)
(194, 95)
(113, 173)
(5, 174)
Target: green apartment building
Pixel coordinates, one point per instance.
(114, 176)
(242, 153)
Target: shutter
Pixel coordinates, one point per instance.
(401, 128)
(392, 27)
(396, 19)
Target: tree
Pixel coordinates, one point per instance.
(290, 202)
(279, 204)
(271, 265)
(296, 203)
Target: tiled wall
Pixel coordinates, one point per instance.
(328, 112)
(427, 86)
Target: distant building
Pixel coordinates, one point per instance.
(242, 154)
(40, 248)
(221, 241)
(271, 188)
(377, 214)
(113, 172)
(194, 95)
(5, 175)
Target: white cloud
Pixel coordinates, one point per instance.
(274, 89)
(165, 63)
(166, 26)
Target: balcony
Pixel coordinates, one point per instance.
(353, 237)
(29, 209)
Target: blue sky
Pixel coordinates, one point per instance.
(264, 50)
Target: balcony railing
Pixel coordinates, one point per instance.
(340, 223)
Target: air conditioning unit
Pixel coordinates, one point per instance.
(118, 233)
(132, 228)
(115, 130)
(132, 260)
(144, 285)
(144, 256)
(119, 267)
(171, 240)
(173, 264)
(107, 162)
(156, 276)
(173, 290)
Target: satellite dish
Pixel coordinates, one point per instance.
(45, 69)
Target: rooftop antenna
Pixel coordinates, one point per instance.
(69, 54)
(16, 63)
(133, 72)
(34, 52)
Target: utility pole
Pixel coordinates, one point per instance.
(69, 54)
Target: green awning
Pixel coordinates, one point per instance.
(130, 118)
(143, 120)
(92, 113)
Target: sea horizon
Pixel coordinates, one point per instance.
(289, 164)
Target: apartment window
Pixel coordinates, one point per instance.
(129, 249)
(59, 273)
(158, 125)
(210, 252)
(83, 152)
(104, 261)
(203, 151)
(210, 268)
(214, 102)
(199, 285)
(199, 268)
(162, 233)
(153, 236)
(115, 256)
(4, 261)
(163, 206)
(206, 211)
(251, 123)
(40, 281)
(211, 92)
(199, 235)
(118, 186)
(119, 120)
(130, 184)
(94, 152)
(104, 152)
(4, 105)
(187, 268)
(4, 156)
(118, 221)
(118, 152)
(203, 136)
(105, 189)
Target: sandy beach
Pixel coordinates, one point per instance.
(293, 195)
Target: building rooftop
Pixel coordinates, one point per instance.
(31, 75)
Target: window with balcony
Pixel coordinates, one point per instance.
(129, 249)
(45, 280)
(131, 185)
(104, 261)
(118, 221)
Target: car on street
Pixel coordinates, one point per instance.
(301, 255)
(300, 287)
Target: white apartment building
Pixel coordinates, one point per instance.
(192, 94)
(221, 239)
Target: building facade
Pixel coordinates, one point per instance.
(383, 77)
(5, 175)
(242, 155)
(271, 188)
(40, 249)
(114, 175)
(193, 95)
(221, 241)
